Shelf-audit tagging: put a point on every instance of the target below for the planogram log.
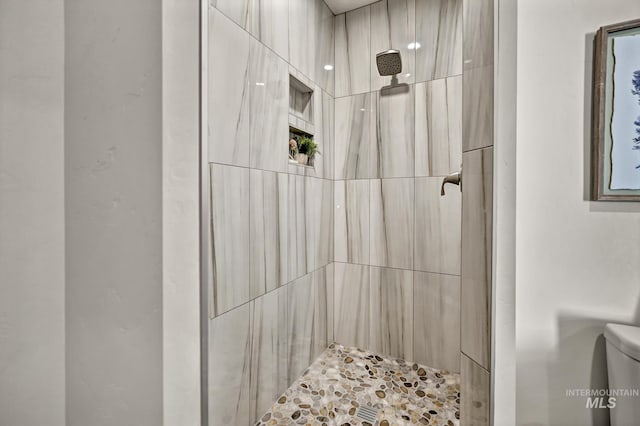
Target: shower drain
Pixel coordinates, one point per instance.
(367, 413)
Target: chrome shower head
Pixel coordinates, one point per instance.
(389, 62)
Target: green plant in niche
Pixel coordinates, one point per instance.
(308, 147)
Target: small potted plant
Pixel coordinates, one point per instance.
(307, 151)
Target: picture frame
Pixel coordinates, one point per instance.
(615, 168)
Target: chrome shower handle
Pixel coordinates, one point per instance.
(454, 178)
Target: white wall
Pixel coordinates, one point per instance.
(180, 214)
(32, 364)
(577, 261)
(504, 215)
(113, 153)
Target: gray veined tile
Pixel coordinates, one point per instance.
(269, 220)
(303, 35)
(391, 312)
(269, 23)
(322, 310)
(392, 153)
(228, 100)
(393, 26)
(439, 32)
(325, 225)
(351, 305)
(269, 95)
(269, 346)
(477, 225)
(237, 10)
(353, 52)
(323, 109)
(300, 323)
(352, 221)
(229, 360)
(392, 223)
(438, 227)
(312, 205)
(296, 230)
(328, 131)
(325, 47)
(230, 237)
(477, 108)
(329, 287)
(318, 219)
(439, 127)
(353, 137)
(478, 33)
(436, 332)
(475, 394)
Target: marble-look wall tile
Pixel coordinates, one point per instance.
(265, 20)
(392, 223)
(477, 108)
(321, 285)
(352, 221)
(269, 220)
(269, 99)
(318, 222)
(475, 394)
(228, 94)
(439, 32)
(323, 309)
(296, 229)
(353, 52)
(436, 332)
(230, 237)
(393, 26)
(230, 359)
(269, 343)
(478, 33)
(326, 242)
(300, 323)
(394, 133)
(351, 305)
(269, 22)
(323, 109)
(237, 10)
(353, 129)
(439, 127)
(313, 203)
(328, 132)
(330, 288)
(303, 35)
(325, 47)
(438, 227)
(391, 313)
(477, 234)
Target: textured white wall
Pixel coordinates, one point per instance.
(577, 261)
(180, 214)
(113, 153)
(32, 364)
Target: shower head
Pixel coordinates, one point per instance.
(389, 62)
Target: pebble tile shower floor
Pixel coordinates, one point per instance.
(345, 382)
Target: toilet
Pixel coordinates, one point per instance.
(623, 364)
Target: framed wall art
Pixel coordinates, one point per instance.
(616, 113)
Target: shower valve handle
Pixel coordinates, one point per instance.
(454, 178)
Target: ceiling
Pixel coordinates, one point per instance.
(340, 6)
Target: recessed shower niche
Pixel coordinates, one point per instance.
(302, 146)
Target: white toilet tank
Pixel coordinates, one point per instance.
(623, 363)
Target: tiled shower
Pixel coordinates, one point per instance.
(361, 248)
